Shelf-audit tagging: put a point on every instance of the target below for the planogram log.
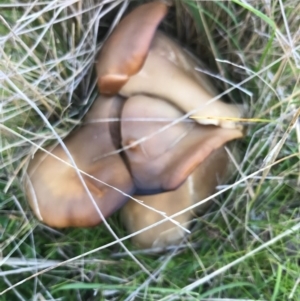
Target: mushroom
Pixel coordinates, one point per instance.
(158, 80)
(124, 53)
(164, 160)
(198, 186)
(147, 62)
(53, 188)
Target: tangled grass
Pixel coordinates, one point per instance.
(246, 247)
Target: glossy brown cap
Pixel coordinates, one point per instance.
(165, 160)
(124, 52)
(53, 188)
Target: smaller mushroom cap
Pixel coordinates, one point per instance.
(124, 52)
(199, 185)
(165, 158)
(53, 188)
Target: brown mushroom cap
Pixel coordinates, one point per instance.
(199, 185)
(54, 190)
(164, 161)
(169, 49)
(124, 52)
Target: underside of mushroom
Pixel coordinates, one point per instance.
(166, 75)
(145, 61)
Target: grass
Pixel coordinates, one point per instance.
(246, 247)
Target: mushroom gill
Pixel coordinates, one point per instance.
(53, 188)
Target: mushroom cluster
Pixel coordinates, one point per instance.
(135, 138)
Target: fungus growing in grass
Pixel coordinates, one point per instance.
(134, 62)
(54, 190)
(136, 59)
